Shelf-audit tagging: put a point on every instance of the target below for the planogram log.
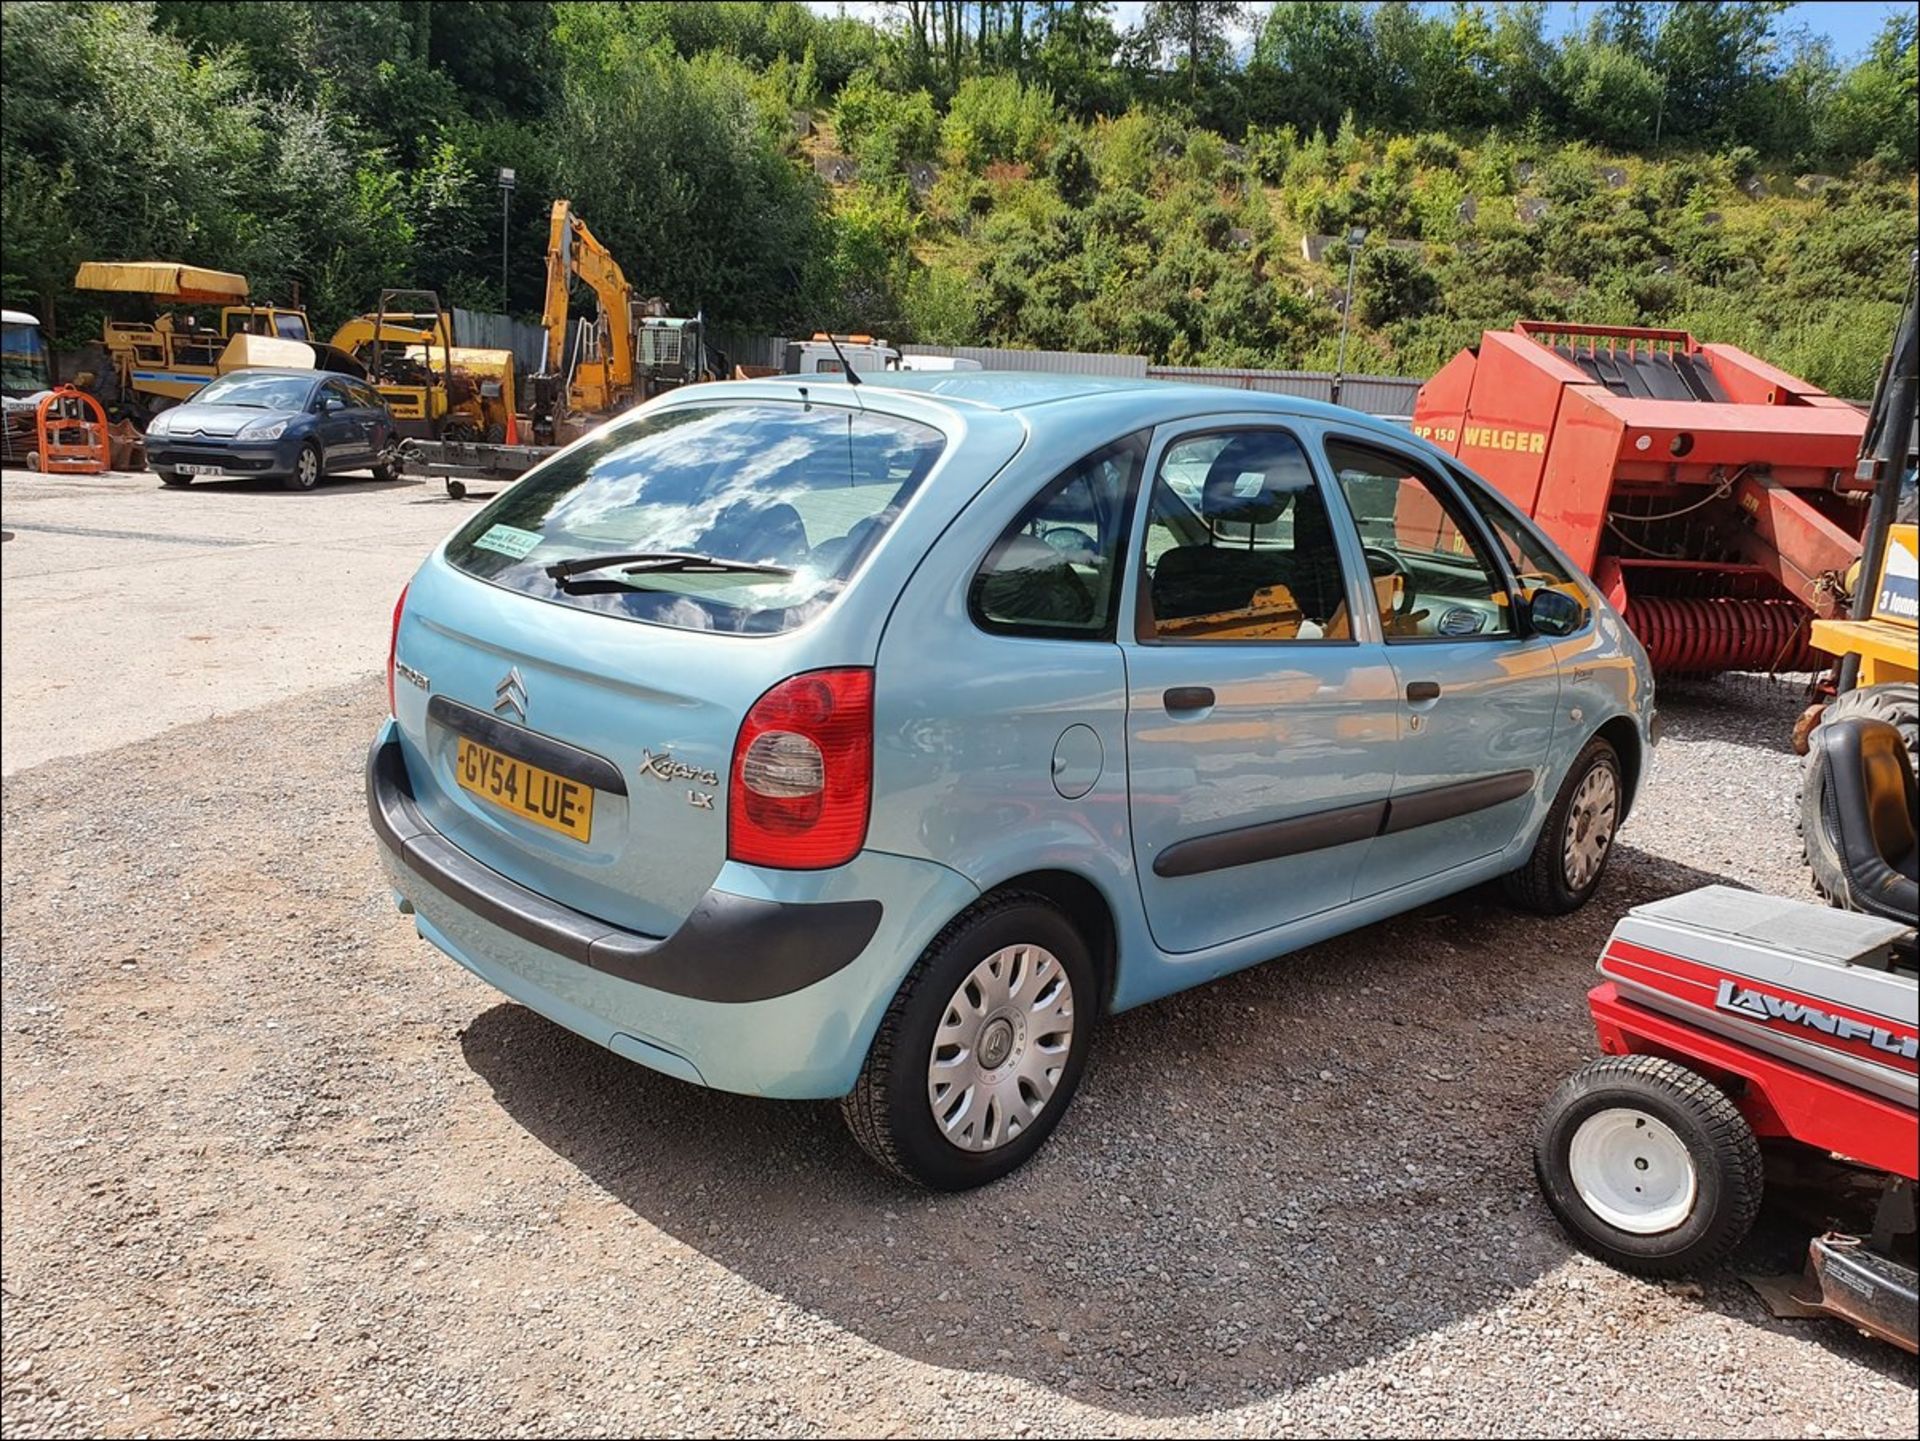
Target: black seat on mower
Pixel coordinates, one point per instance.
(1867, 797)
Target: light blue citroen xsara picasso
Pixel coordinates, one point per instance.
(816, 739)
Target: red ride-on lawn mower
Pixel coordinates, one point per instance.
(1749, 1040)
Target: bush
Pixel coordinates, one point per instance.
(995, 117)
(1612, 96)
(1072, 172)
(1269, 152)
(1434, 151)
(942, 308)
(884, 129)
(1128, 151)
(1392, 285)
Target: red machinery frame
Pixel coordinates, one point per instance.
(1778, 1098)
(1709, 494)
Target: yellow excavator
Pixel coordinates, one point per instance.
(1863, 746)
(601, 381)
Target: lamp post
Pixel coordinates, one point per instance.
(506, 201)
(1356, 237)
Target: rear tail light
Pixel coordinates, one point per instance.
(393, 648)
(802, 778)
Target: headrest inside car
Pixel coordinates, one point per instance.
(1253, 480)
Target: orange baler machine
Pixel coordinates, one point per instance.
(1710, 495)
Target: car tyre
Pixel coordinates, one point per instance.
(176, 478)
(307, 469)
(1648, 1165)
(1564, 868)
(942, 1021)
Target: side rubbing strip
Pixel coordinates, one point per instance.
(1271, 840)
(1443, 803)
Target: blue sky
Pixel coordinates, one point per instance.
(1849, 24)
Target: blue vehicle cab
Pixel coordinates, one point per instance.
(263, 423)
(873, 741)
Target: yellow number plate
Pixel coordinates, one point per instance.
(529, 792)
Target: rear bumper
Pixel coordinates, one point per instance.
(772, 986)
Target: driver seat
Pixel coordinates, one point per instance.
(1860, 775)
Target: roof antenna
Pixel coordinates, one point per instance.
(834, 341)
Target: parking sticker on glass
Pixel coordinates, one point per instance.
(509, 540)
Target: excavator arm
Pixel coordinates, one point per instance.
(553, 315)
(573, 251)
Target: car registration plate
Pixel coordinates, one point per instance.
(531, 793)
(204, 469)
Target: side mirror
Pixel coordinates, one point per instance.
(1554, 612)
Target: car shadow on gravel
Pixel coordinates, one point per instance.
(349, 484)
(1754, 712)
(1271, 1178)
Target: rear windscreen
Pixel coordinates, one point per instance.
(748, 517)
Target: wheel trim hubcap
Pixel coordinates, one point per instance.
(1632, 1171)
(309, 468)
(1000, 1048)
(1590, 825)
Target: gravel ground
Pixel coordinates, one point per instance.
(272, 1165)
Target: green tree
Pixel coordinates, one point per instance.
(1873, 110)
(1195, 34)
(1712, 54)
(1314, 61)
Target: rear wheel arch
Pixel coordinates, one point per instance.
(1086, 906)
(1624, 736)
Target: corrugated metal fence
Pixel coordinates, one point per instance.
(1049, 362)
(1375, 394)
(486, 331)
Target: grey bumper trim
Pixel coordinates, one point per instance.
(730, 948)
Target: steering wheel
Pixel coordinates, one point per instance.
(1381, 561)
(1073, 543)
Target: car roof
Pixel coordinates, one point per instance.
(1017, 390)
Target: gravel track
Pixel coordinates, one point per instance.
(273, 1165)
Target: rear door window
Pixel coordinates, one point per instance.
(747, 518)
(1239, 545)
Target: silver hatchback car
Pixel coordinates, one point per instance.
(871, 741)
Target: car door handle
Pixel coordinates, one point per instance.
(1422, 690)
(1183, 698)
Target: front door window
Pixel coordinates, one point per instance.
(1433, 577)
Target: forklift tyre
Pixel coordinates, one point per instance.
(1648, 1166)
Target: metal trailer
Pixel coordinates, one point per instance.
(1710, 495)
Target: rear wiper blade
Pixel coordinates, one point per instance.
(663, 562)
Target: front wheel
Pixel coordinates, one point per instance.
(1564, 868)
(306, 469)
(174, 477)
(1649, 1166)
(982, 1049)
